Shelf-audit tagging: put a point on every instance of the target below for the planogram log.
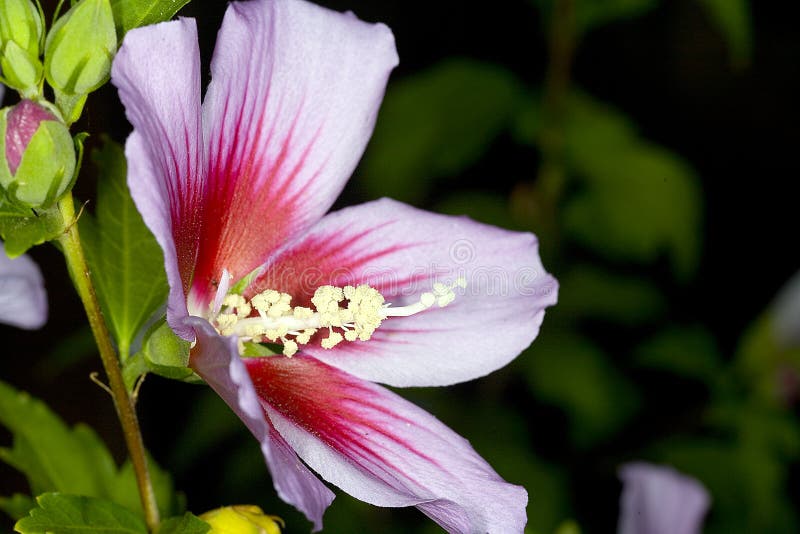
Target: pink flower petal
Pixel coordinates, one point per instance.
(217, 360)
(293, 100)
(660, 500)
(382, 449)
(402, 251)
(157, 72)
(23, 300)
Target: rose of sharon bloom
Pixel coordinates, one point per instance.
(660, 500)
(235, 191)
(23, 301)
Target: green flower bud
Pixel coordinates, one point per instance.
(241, 519)
(20, 38)
(37, 155)
(21, 23)
(80, 47)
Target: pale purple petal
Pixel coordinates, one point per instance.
(216, 359)
(157, 72)
(402, 251)
(787, 313)
(382, 449)
(23, 300)
(660, 500)
(294, 95)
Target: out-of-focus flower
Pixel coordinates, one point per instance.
(37, 155)
(241, 519)
(240, 185)
(23, 300)
(786, 313)
(660, 500)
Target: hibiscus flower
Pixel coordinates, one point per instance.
(236, 190)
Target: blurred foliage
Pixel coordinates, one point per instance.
(634, 200)
(732, 19)
(590, 14)
(432, 128)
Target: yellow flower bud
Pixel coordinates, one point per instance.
(242, 519)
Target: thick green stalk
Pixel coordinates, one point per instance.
(76, 262)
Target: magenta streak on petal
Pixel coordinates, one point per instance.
(318, 260)
(247, 216)
(321, 400)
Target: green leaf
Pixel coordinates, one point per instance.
(17, 506)
(732, 19)
(123, 489)
(54, 457)
(130, 14)
(126, 261)
(186, 524)
(636, 200)
(689, 351)
(591, 14)
(588, 291)
(23, 229)
(59, 513)
(436, 124)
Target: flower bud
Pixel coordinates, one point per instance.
(241, 519)
(21, 23)
(80, 47)
(20, 37)
(37, 155)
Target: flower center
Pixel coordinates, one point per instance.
(348, 313)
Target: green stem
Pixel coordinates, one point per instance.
(551, 176)
(76, 262)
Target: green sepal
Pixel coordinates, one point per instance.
(61, 513)
(80, 47)
(21, 70)
(69, 105)
(163, 353)
(22, 23)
